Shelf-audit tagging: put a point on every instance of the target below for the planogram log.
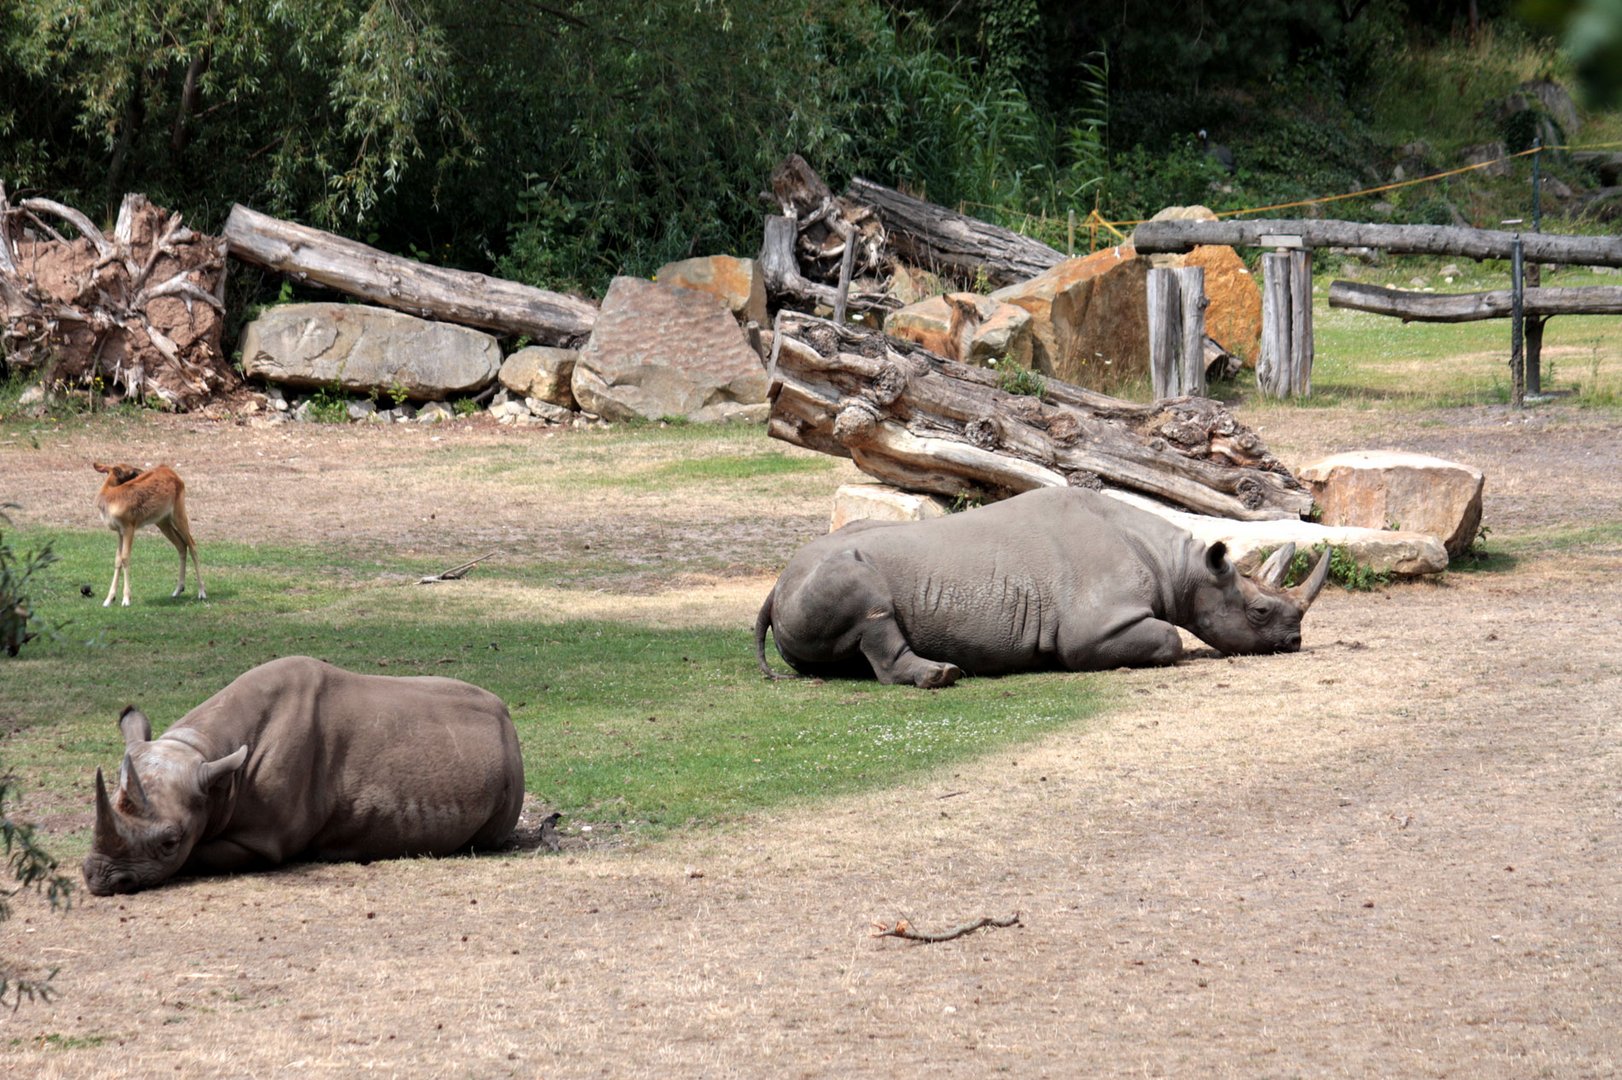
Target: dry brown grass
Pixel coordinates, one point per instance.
(1394, 854)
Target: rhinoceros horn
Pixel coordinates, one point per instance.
(1277, 565)
(131, 795)
(1306, 592)
(106, 830)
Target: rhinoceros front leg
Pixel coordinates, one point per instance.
(844, 607)
(1145, 642)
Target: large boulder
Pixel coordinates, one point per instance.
(1378, 489)
(1233, 315)
(363, 349)
(541, 372)
(662, 351)
(1089, 318)
(881, 502)
(994, 330)
(739, 283)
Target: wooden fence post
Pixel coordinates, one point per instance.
(1285, 366)
(1176, 307)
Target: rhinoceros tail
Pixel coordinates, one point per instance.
(763, 622)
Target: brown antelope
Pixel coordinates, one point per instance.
(131, 498)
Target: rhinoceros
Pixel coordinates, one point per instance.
(300, 759)
(1056, 578)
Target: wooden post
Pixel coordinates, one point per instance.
(1191, 283)
(1301, 323)
(1273, 367)
(1165, 304)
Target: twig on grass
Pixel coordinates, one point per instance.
(903, 929)
(455, 572)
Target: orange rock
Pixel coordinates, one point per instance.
(1089, 318)
(1234, 315)
(738, 282)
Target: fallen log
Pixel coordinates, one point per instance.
(925, 423)
(948, 242)
(456, 296)
(1473, 307)
(1161, 237)
(138, 311)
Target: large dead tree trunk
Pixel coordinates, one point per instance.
(947, 242)
(139, 310)
(434, 292)
(819, 245)
(1472, 307)
(916, 420)
(1156, 237)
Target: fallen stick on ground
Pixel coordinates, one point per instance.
(903, 929)
(455, 572)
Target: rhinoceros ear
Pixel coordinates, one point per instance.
(135, 726)
(1216, 559)
(210, 771)
(1277, 565)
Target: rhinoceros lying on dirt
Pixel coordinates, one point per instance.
(299, 759)
(1055, 578)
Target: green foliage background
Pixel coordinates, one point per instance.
(562, 141)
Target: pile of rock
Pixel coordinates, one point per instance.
(684, 346)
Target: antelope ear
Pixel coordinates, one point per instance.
(1272, 571)
(135, 726)
(210, 771)
(99, 467)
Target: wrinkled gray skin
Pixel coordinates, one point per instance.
(299, 759)
(1056, 578)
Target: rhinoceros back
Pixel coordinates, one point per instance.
(343, 766)
(992, 589)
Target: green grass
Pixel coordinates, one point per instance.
(651, 728)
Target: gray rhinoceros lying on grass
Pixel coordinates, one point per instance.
(1057, 578)
(299, 759)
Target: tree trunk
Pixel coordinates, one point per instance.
(947, 242)
(1156, 237)
(140, 311)
(1473, 307)
(916, 420)
(456, 296)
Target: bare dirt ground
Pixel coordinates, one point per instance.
(1396, 853)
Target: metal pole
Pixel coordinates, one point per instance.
(1537, 184)
(1517, 370)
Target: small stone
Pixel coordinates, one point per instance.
(32, 396)
(435, 412)
(362, 409)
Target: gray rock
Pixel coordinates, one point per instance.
(660, 351)
(435, 412)
(363, 409)
(541, 372)
(34, 395)
(364, 349)
(881, 502)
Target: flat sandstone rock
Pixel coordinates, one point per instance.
(1378, 489)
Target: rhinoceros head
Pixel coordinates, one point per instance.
(1235, 613)
(147, 828)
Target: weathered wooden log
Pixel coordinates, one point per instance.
(1176, 309)
(1473, 307)
(1157, 237)
(948, 242)
(138, 311)
(921, 422)
(433, 292)
(787, 286)
(1284, 368)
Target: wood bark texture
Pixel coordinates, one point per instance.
(1472, 307)
(821, 250)
(432, 292)
(1176, 306)
(951, 243)
(139, 311)
(925, 423)
(1159, 237)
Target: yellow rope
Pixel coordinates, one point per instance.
(1095, 220)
